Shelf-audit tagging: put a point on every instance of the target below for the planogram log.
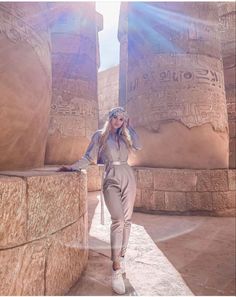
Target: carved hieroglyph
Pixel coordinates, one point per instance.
(74, 108)
(175, 85)
(25, 84)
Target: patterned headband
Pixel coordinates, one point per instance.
(118, 111)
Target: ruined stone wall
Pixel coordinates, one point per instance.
(43, 232)
(175, 85)
(227, 28)
(74, 108)
(25, 84)
(108, 92)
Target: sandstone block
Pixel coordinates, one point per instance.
(13, 211)
(53, 203)
(65, 259)
(212, 180)
(138, 198)
(22, 269)
(224, 200)
(199, 201)
(147, 198)
(159, 200)
(175, 201)
(175, 180)
(232, 180)
(145, 178)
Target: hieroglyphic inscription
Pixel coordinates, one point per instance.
(72, 118)
(190, 91)
(160, 78)
(67, 89)
(17, 30)
(187, 107)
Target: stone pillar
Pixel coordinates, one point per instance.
(227, 13)
(175, 85)
(123, 39)
(74, 109)
(25, 84)
(108, 92)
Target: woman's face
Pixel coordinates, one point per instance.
(117, 121)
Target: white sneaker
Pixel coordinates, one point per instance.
(122, 264)
(117, 282)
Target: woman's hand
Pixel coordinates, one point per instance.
(65, 168)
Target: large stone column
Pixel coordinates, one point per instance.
(227, 13)
(74, 109)
(175, 85)
(25, 84)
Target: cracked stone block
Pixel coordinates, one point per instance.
(13, 211)
(66, 259)
(22, 269)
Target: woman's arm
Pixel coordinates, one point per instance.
(88, 158)
(134, 137)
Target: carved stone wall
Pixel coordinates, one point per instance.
(25, 84)
(175, 85)
(227, 13)
(186, 191)
(74, 109)
(43, 232)
(108, 92)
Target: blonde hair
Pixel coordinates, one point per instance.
(123, 133)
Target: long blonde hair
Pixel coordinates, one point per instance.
(123, 132)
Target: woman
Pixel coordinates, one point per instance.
(111, 146)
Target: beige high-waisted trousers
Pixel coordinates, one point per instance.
(119, 190)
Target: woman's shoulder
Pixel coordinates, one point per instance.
(96, 135)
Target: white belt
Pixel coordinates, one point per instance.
(118, 162)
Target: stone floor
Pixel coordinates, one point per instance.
(167, 255)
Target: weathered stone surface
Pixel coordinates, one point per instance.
(66, 259)
(175, 201)
(232, 180)
(13, 211)
(83, 192)
(175, 180)
(108, 92)
(53, 203)
(22, 269)
(212, 180)
(197, 192)
(45, 249)
(232, 154)
(199, 201)
(175, 86)
(145, 178)
(74, 82)
(25, 102)
(224, 200)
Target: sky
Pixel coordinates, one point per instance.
(108, 41)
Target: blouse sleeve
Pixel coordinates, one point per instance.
(91, 154)
(135, 139)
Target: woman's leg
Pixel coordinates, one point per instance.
(112, 197)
